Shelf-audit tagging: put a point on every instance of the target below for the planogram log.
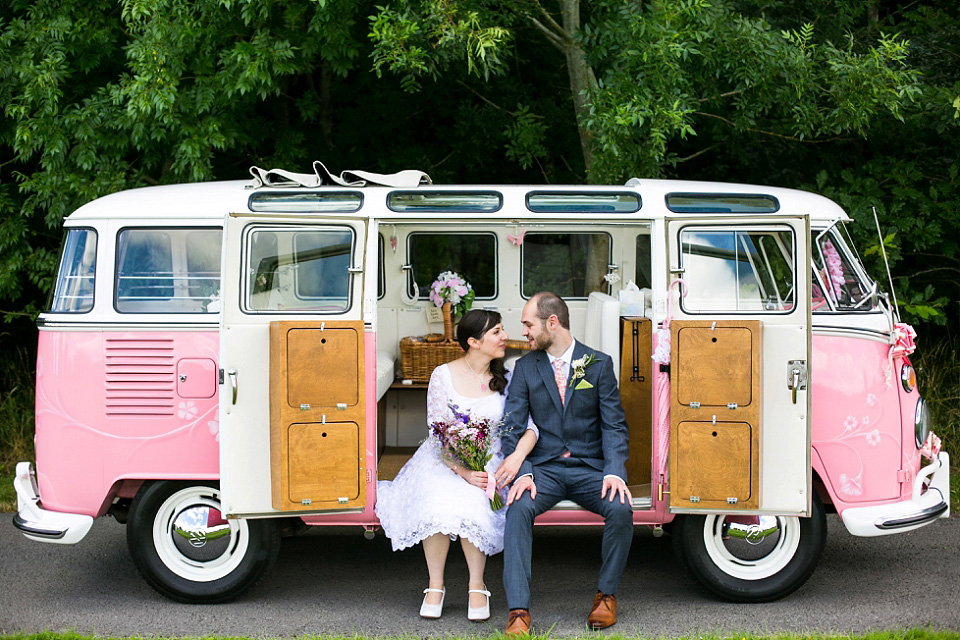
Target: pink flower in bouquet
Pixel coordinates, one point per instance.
(453, 288)
(469, 441)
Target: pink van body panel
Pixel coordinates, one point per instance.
(858, 430)
(112, 406)
(143, 405)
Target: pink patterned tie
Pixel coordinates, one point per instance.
(560, 375)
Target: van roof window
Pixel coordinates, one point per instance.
(464, 201)
(721, 203)
(566, 202)
(306, 202)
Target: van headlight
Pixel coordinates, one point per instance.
(921, 422)
(908, 378)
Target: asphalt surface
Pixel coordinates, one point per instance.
(333, 581)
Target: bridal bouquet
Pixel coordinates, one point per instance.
(470, 441)
(453, 288)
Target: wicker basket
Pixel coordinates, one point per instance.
(418, 358)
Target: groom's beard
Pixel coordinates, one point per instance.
(542, 342)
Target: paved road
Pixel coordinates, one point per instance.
(332, 581)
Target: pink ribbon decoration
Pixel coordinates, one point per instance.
(517, 240)
(902, 344)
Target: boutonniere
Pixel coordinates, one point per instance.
(580, 369)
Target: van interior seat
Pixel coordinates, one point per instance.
(385, 373)
(603, 327)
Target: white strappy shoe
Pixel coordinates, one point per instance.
(432, 610)
(480, 613)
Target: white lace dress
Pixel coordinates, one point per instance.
(427, 497)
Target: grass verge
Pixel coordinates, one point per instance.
(902, 634)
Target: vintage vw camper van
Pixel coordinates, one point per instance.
(222, 360)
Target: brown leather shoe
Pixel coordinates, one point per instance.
(604, 612)
(518, 624)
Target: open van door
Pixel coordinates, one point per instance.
(740, 345)
(292, 398)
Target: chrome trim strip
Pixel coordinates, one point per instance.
(921, 517)
(569, 505)
(298, 514)
(34, 530)
(123, 326)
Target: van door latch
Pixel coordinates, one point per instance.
(796, 377)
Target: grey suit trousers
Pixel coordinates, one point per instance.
(556, 480)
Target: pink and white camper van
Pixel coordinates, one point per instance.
(222, 360)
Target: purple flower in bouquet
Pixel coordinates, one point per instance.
(453, 288)
(469, 441)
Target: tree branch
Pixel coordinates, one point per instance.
(771, 133)
(549, 18)
(552, 37)
(722, 95)
(698, 153)
(493, 104)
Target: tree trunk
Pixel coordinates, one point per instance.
(581, 78)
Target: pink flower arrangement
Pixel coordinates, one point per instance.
(834, 268)
(469, 441)
(453, 288)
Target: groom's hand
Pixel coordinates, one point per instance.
(616, 487)
(523, 484)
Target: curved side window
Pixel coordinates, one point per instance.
(839, 287)
(74, 290)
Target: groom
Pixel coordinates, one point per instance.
(571, 393)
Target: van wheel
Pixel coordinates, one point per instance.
(188, 552)
(751, 558)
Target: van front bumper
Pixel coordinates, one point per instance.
(37, 523)
(922, 508)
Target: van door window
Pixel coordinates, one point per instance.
(837, 281)
(644, 258)
(168, 270)
(745, 271)
(472, 255)
(74, 290)
(572, 265)
(294, 270)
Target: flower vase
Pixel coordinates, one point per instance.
(447, 322)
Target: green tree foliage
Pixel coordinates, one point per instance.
(857, 99)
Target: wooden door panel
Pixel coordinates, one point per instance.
(322, 367)
(320, 468)
(714, 462)
(715, 415)
(636, 395)
(317, 415)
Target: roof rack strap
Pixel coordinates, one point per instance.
(349, 178)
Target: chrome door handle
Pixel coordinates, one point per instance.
(796, 377)
(233, 384)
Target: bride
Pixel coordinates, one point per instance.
(434, 500)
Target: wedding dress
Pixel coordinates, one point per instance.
(427, 497)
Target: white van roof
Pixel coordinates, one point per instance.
(213, 200)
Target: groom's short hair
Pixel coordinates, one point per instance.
(550, 304)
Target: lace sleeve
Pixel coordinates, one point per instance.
(437, 397)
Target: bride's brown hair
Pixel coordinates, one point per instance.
(474, 324)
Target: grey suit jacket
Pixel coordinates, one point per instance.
(590, 424)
